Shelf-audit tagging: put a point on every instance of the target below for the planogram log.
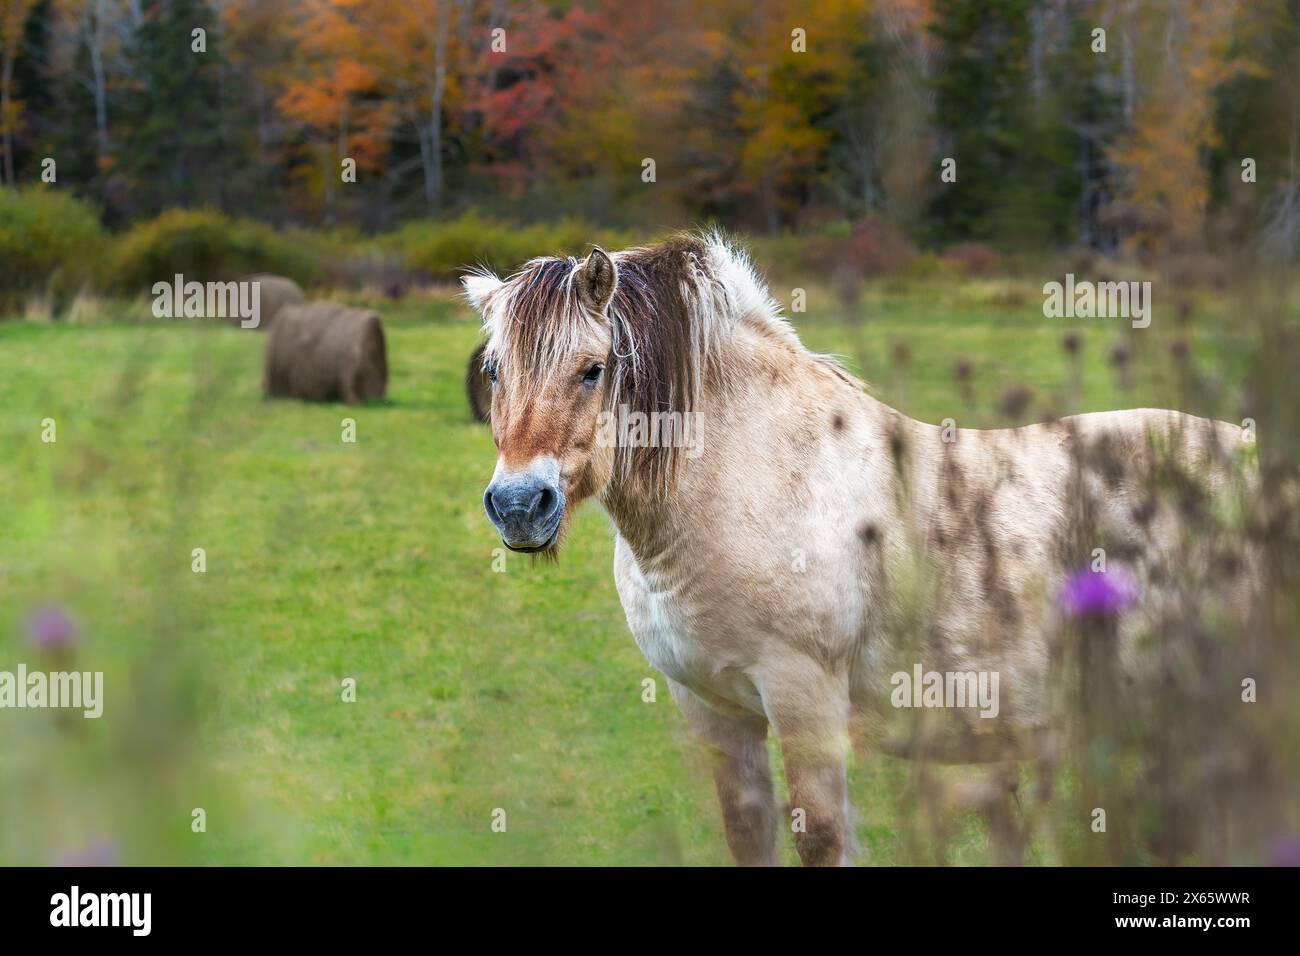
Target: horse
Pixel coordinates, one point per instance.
(773, 563)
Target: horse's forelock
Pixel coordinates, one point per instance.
(535, 323)
(670, 303)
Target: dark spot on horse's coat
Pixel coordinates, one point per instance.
(953, 482)
(1128, 551)
(837, 422)
(1191, 506)
(897, 446)
(1144, 512)
(1005, 604)
(1063, 547)
(898, 456)
(1007, 471)
(869, 534)
(1228, 563)
(1107, 460)
(992, 581)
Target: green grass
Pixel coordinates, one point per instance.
(476, 690)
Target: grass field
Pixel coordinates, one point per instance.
(325, 560)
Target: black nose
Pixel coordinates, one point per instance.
(526, 509)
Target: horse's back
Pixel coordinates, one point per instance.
(1006, 518)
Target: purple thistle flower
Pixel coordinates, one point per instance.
(1285, 850)
(98, 852)
(51, 629)
(1089, 593)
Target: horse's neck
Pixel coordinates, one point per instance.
(775, 402)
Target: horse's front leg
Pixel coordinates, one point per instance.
(809, 709)
(742, 773)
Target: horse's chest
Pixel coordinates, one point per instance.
(663, 632)
(665, 629)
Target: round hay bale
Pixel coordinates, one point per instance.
(478, 387)
(274, 293)
(326, 351)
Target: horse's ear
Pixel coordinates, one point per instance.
(478, 286)
(596, 280)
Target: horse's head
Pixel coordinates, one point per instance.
(597, 366)
(548, 355)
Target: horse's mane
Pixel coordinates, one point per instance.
(675, 305)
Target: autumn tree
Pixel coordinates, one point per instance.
(766, 114)
(13, 23)
(556, 98)
(84, 74)
(377, 74)
(1163, 180)
(1255, 167)
(259, 51)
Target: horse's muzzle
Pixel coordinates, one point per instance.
(526, 509)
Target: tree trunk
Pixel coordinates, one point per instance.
(1128, 83)
(768, 194)
(433, 163)
(6, 82)
(93, 34)
(426, 164)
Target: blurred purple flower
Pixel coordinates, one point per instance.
(99, 852)
(51, 629)
(1285, 850)
(1089, 593)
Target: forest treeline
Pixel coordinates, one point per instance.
(1105, 123)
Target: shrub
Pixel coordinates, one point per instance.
(995, 293)
(974, 258)
(369, 268)
(207, 246)
(864, 249)
(443, 250)
(50, 244)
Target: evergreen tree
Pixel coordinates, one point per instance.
(859, 122)
(1078, 122)
(172, 147)
(71, 136)
(30, 71)
(982, 115)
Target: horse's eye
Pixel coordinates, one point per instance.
(593, 373)
(490, 369)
